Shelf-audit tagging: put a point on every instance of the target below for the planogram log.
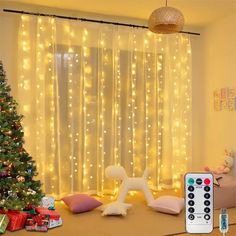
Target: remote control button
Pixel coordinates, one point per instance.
(207, 181)
(191, 181)
(191, 203)
(207, 203)
(191, 210)
(207, 217)
(191, 217)
(191, 188)
(207, 195)
(207, 188)
(207, 209)
(191, 195)
(199, 181)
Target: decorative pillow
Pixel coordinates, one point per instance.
(81, 203)
(168, 204)
(115, 208)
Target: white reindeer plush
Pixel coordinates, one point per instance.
(129, 183)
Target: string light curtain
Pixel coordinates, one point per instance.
(95, 95)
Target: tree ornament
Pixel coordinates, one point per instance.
(4, 174)
(5, 171)
(16, 125)
(31, 192)
(12, 194)
(10, 165)
(29, 171)
(2, 202)
(21, 150)
(20, 178)
(9, 132)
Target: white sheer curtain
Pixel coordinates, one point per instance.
(95, 95)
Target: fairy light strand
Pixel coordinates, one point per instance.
(51, 71)
(85, 97)
(40, 78)
(70, 63)
(133, 100)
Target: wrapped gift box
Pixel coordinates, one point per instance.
(41, 219)
(37, 228)
(4, 220)
(47, 202)
(54, 223)
(17, 220)
(37, 223)
(37, 219)
(53, 215)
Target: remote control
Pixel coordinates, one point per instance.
(199, 202)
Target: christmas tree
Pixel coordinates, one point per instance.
(18, 190)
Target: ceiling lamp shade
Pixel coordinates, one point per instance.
(166, 20)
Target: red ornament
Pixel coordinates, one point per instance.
(21, 150)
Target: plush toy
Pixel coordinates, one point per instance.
(129, 183)
(226, 167)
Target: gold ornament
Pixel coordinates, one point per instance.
(20, 179)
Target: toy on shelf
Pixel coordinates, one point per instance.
(226, 167)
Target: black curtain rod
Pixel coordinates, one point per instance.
(85, 19)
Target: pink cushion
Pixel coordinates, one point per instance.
(168, 204)
(81, 203)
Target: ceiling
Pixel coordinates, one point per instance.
(196, 12)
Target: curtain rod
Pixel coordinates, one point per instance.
(86, 19)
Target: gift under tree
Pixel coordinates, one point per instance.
(18, 189)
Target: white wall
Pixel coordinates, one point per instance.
(197, 100)
(219, 54)
(8, 44)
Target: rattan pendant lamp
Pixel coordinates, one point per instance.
(166, 20)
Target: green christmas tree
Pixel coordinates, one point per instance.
(18, 190)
